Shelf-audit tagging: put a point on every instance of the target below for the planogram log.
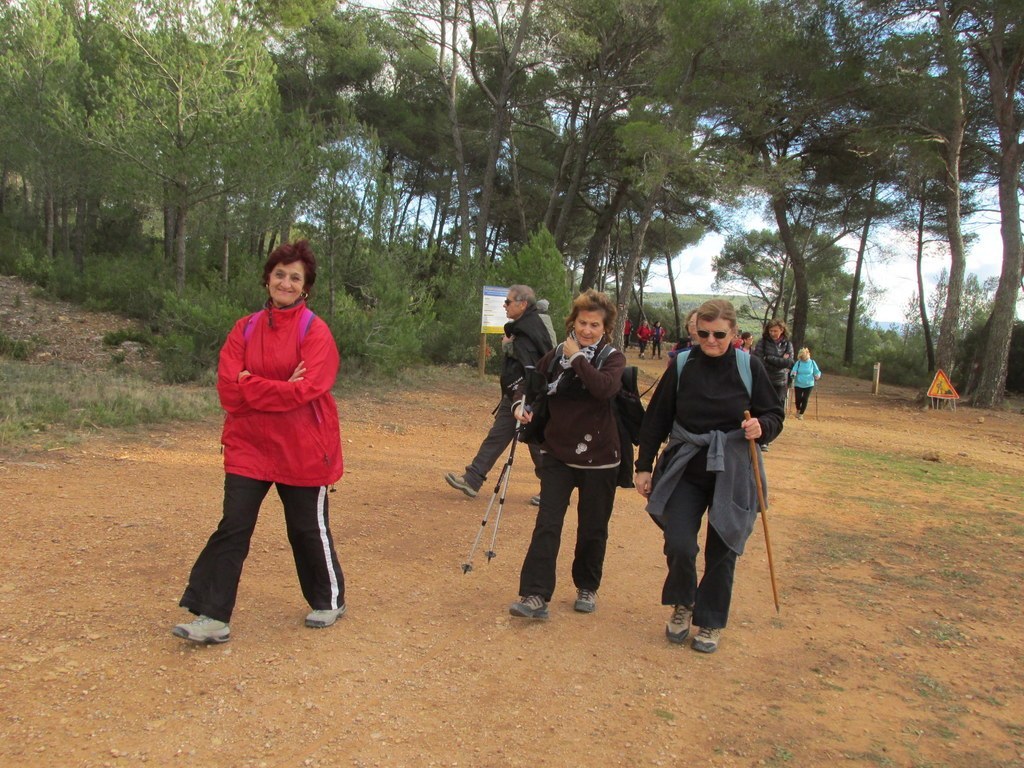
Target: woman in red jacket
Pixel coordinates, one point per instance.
(281, 428)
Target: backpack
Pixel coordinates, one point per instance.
(742, 363)
(305, 322)
(627, 407)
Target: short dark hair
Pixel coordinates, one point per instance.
(289, 253)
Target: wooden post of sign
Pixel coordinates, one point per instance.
(876, 379)
(482, 355)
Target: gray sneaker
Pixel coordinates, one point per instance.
(707, 640)
(535, 500)
(586, 601)
(324, 617)
(459, 481)
(203, 630)
(678, 627)
(530, 607)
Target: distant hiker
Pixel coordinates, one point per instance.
(542, 308)
(643, 337)
(526, 341)
(274, 378)
(805, 373)
(705, 467)
(747, 341)
(582, 452)
(627, 331)
(657, 334)
(776, 352)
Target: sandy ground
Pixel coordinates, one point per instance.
(897, 538)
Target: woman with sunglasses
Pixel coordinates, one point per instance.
(705, 467)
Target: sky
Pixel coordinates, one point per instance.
(896, 275)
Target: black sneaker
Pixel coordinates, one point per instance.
(530, 607)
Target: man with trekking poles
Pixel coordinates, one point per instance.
(526, 341)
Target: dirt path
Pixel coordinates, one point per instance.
(899, 642)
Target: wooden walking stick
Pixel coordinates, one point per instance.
(763, 507)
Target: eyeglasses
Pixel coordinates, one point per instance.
(717, 334)
(511, 301)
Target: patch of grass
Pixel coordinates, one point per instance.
(40, 398)
(15, 350)
(665, 715)
(951, 480)
(929, 688)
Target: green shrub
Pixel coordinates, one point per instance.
(15, 350)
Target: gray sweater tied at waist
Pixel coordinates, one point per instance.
(733, 508)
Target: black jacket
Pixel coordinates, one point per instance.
(772, 355)
(530, 342)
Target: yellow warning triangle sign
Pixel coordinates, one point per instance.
(941, 387)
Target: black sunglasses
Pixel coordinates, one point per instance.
(717, 334)
(511, 301)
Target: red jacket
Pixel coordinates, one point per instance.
(644, 333)
(276, 430)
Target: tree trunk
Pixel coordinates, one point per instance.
(995, 358)
(50, 221)
(180, 216)
(921, 304)
(950, 327)
(675, 297)
(462, 172)
(629, 270)
(81, 228)
(851, 318)
(605, 221)
(796, 258)
(500, 120)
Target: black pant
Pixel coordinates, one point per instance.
(803, 394)
(213, 583)
(682, 517)
(656, 347)
(497, 440)
(593, 509)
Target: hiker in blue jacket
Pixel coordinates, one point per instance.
(805, 373)
(706, 466)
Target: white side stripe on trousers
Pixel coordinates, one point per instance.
(322, 525)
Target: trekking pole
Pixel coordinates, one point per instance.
(502, 487)
(763, 507)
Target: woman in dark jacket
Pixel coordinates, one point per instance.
(705, 467)
(776, 352)
(581, 450)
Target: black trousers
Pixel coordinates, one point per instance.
(213, 583)
(593, 510)
(803, 394)
(682, 518)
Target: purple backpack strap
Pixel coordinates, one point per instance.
(250, 324)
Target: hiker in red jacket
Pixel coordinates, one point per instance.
(281, 428)
(643, 335)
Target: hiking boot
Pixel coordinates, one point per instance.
(459, 481)
(203, 630)
(678, 627)
(324, 617)
(530, 607)
(707, 640)
(535, 500)
(764, 447)
(800, 416)
(586, 601)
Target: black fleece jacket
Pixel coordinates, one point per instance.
(711, 396)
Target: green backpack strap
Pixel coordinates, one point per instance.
(742, 364)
